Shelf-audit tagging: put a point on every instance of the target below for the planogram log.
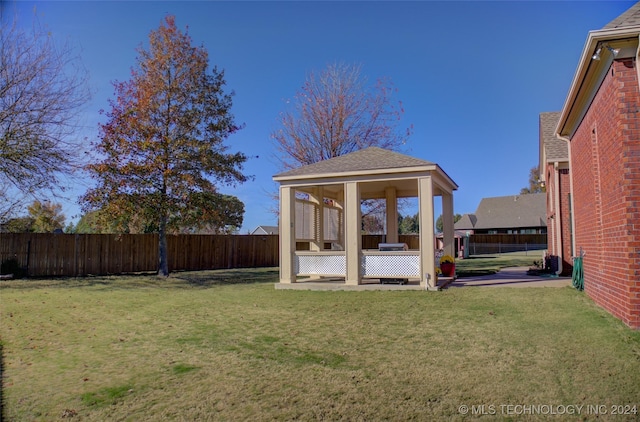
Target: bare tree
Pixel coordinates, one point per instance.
(42, 88)
(336, 113)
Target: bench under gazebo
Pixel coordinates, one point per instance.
(321, 221)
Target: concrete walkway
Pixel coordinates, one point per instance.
(511, 277)
(506, 277)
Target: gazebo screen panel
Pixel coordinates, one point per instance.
(332, 223)
(305, 220)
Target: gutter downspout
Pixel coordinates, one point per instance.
(571, 203)
(558, 226)
(636, 60)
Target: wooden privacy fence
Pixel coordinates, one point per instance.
(481, 244)
(44, 254)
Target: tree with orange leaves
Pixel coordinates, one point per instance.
(162, 147)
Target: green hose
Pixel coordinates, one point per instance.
(578, 275)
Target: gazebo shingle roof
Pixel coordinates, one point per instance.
(372, 158)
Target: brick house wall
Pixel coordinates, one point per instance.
(552, 235)
(565, 218)
(605, 166)
(559, 179)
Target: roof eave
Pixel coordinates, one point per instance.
(588, 75)
(356, 173)
(398, 171)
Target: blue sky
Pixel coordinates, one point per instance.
(473, 76)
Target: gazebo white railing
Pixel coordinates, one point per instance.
(374, 264)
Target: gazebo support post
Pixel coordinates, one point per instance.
(287, 234)
(392, 214)
(448, 224)
(353, 235)
(427, 233)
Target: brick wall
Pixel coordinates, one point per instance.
(565, 218)
(550, 178)
(558, 179)
(605, 166)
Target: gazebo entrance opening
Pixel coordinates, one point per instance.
(320, 241)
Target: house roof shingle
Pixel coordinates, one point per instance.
(629, 18)
(555, 149)
(372, 158)
(466, 222)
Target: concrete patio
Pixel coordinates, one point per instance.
(507, 277)
(511, 277)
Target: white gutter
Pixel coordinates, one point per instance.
(594, 39)
(571, 203)
(638, 57)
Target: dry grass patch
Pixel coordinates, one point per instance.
(227, 346)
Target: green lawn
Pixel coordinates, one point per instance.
(490, 264)
(225, 345)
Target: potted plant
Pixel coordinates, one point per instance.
(448, 266)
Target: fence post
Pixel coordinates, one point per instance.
(28, 254)
(75, 255)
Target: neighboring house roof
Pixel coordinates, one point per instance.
(372, 158)
(466, 222)
(512, 211)
(265, 230)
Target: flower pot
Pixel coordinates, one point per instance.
(448, 269)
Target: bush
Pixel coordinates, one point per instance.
(11, 266)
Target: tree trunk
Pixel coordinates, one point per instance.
(162, 248)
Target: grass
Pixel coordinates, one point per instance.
(491, 264)
(225, 345)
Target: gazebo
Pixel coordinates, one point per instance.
(321, 219)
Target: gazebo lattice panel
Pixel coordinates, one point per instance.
(320, 264)
(391, 265)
